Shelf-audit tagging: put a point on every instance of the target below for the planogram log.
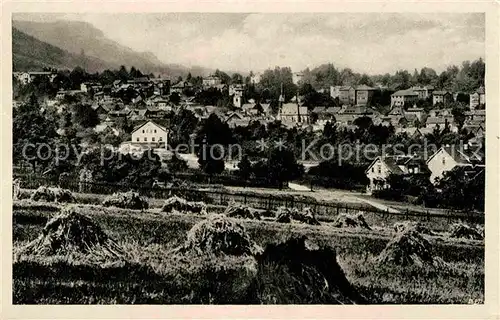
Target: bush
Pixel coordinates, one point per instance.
(218, 235)
(181, 205)
(48, 194)
(351, 221)
(126, 200)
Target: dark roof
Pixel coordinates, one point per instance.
(440, 93)
(407, 92)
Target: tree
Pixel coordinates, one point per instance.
(176, 164)
(175, 98)
(211, 159)
(282, 166)
(32, 126)
(236, 78)
(85, 116)
(182, 125)
(245, 168)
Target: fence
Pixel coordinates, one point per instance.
(259, 201)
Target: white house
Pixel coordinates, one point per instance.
(294, 113)
(150, 133)
(449, 157)
(379, 170)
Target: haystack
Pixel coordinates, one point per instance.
(50, 194)
(300, 272)
(283, 215)
(241, 211)
(182, 205)
(218, 235)
(351, 221)
(126, 200)
(460, 230)
(69, 232)
(287, 215)
(417, 226)
(408, 248)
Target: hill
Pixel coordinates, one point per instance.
(29, 53)
(81, 38)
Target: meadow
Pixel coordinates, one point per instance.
(152, 273)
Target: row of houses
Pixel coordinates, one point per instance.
(443, 160)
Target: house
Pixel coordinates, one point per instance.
(297, 77)
(396, 114)
(441, 122)
(474, 100)
(254, 79)
(476, 129)
(180, 87)
(482, 95)
(347, 95)
(236, 89)
(417, 112)
(150, 133)
(404, 97)
(335, 92)
(443, 97)
(211, 81)
(347, 115)
(28, 77)
(383, 166)
(423, 92)
(293, 113)
(236, 119)
(106, 126)
(364, 95)
(449, 157)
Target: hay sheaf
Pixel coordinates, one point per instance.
(351, 221)
(182, 205)
(234, 210)
(287, 215)
(71, 232)
(50, 194)
(218, 234)
(300, 272)
(417, 226)
(409, 248)
(126, 200)
(460, 230)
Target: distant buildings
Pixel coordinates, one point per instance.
(449, 157)
(211, 81)
(443, 97)
(404, 97)
(423, 92)
(293, 113)
(297, 77)
(254, 79)
(28, 77)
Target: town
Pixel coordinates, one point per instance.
(135, 112)
(240, 158)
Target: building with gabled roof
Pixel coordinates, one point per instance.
(449, 157)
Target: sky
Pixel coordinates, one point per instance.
(373, 43)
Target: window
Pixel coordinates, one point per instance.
(155, 130)
(379, 168)
(143, 131)
(138, 139)
(444, 160)
(145, 139)
(373, 169)
(160, 139)
(153, 139)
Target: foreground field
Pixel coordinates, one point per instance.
(151, 273)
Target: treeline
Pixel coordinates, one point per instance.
(465, 78)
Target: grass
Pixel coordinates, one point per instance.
(150, 274)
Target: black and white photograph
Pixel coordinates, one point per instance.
(246, 158)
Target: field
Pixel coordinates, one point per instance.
(151, 273)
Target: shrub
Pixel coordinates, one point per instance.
(181, 205)
(126, 200)
(351, 221)
(460, 230)
(218, 235)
